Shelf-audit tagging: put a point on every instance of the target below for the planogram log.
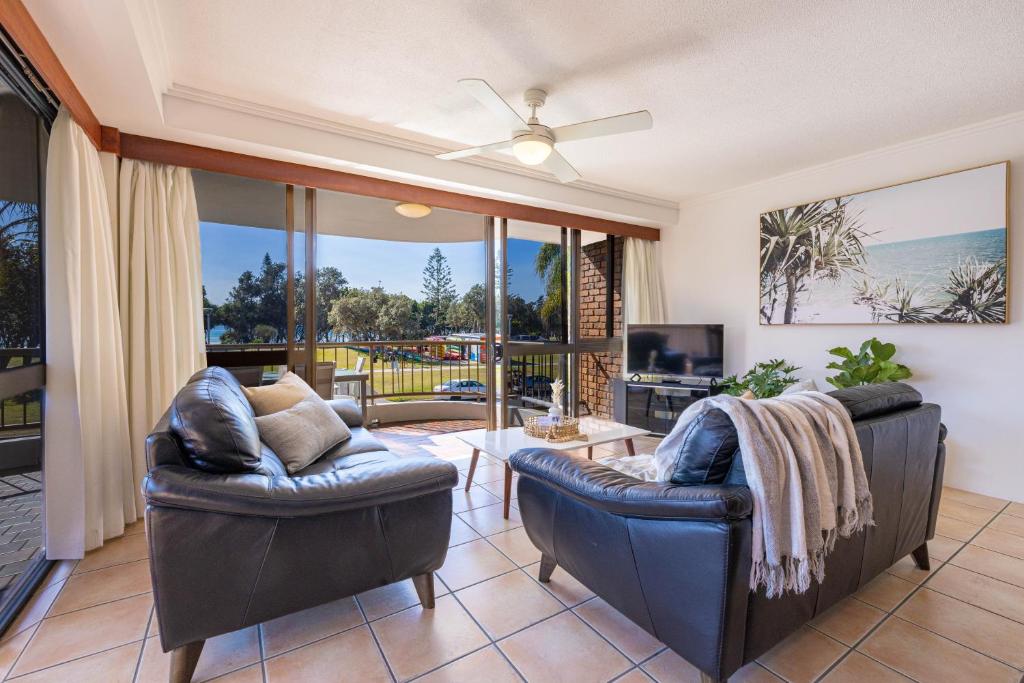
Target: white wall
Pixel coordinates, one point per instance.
(975, 372)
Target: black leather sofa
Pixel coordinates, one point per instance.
(235, 541)
(675, 559)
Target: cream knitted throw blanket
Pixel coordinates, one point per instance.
(806, 474)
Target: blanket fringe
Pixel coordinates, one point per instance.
(792, 574)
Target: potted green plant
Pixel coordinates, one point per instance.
(872, 364)
(764, 380)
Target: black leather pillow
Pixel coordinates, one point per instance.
(872, 400)
(706, 454)
(215, 424)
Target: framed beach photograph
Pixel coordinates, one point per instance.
(926, 251)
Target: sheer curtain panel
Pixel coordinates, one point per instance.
(90, 487)
(642, 289)
(159, 291)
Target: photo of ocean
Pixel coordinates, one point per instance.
(926, 251)
(922, 263)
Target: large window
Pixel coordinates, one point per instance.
(25, 118)
(401, 299)
(244, 256)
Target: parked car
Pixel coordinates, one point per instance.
(460, 386)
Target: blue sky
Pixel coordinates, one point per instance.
(228, 250)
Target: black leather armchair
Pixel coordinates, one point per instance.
(676, 559)
(229, 550)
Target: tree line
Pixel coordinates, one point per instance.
(255, 309)
(20, 283)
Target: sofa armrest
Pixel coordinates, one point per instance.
(348, 410)
(606, 489)
(262, 496)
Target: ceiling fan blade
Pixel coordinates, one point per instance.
(483, 93)
(612, 125)
(471, 151)
(562, 169)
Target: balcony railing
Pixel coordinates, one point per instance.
(402, 370)
(19, 417)
(426, 368)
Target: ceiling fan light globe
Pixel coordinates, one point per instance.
(531, 149)
(411, 210)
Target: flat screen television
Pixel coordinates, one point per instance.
(674, 350)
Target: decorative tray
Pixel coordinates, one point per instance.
(554, 429)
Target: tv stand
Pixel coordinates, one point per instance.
(655, 405)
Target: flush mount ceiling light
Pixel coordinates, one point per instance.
(531, 141)
(533, 148)
(411, 210)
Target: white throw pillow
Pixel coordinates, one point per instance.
(301, 434)
(281, 395)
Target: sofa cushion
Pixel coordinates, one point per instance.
(281, 395)
(707, 449)
(215, 424)
(340, 456)
(872, 400)
(302, 433)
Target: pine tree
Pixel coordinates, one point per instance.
(439, 291)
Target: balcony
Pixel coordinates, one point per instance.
(20, 486)
(420, 379)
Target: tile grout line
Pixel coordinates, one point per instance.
(35, 627)
(145, 637)
(551, 616)
(892, 613)
(373, 634)
(140, 642)
(261, 644)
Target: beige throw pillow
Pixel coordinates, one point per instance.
(301, 434)
(281, 395)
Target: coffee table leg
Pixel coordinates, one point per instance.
(629, 447)
(508, 487)
(472, 468)
(590, 452)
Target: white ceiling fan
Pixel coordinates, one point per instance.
(532, 142)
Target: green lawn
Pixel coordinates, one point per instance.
(410, 377)
(15, 413)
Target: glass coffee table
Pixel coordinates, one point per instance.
(502, 443)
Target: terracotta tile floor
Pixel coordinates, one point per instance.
(963, 621)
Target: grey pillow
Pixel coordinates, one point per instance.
(302, 433)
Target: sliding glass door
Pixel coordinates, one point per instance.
(25, 119)
(365, 298)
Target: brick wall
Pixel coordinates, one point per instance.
(598, 369)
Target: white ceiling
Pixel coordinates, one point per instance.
(740, 91)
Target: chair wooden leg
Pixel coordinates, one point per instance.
(472, 468)
(590, 452)
(184, 660)
(629, 447)
(508, 487)
(425, 589)
(921, 557)
(547, 565)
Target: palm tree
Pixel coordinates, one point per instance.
(550, 265)
(816, 241)
(979, 292)
(898, 308)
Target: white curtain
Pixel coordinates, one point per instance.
(159, 291)
(90, 486)
(642, 290)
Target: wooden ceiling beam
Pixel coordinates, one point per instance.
(259, 168)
